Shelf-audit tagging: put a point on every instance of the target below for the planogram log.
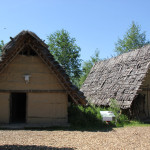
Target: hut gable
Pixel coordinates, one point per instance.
(120, 77)
(41, 78)
(28, 43)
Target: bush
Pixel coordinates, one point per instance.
(90, 117)
(84, 116)
(121, 119)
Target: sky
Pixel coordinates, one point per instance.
(95, 24)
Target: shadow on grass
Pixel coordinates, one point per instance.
(31, 147)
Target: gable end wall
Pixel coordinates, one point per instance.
(50, 107)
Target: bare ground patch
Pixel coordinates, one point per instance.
(121, 138)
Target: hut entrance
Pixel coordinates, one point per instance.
(18, 108)
(138, 107)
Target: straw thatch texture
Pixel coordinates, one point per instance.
(120, 77)
(30, 39)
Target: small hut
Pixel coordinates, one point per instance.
(125, 78)
(34, 88)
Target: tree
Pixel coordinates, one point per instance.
(133, 39)
(87, 65)
(1, 46)
(66, 52)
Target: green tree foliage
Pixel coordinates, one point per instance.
(132, 39)
(87, 65)
(66, 52)
(1, 45)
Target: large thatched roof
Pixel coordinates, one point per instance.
(27, 38)
(119, 77)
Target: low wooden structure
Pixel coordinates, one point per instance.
(34, 88)
(125, 78)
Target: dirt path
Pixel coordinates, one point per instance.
(121, 138)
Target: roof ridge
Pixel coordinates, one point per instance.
(132, 51)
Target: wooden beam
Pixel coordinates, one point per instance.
(32, 91)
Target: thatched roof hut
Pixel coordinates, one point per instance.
(34, 88)
(123, 77)
(30, 39)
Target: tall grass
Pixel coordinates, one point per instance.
(90, 117)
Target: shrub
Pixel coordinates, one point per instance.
(121, 119)
(90, 117)
(84, 116)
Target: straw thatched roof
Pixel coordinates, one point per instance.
(120, 77)
(27, 38)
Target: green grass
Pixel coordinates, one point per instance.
(135, 123)
(90, 118)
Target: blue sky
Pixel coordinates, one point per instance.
(96, 24)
